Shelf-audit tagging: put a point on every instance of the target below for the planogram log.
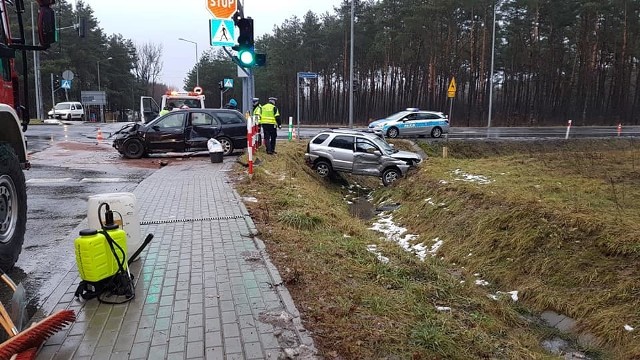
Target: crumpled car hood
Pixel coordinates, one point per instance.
(406, 155)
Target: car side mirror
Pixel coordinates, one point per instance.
(377, 152)
(156, 127)
(392, 146)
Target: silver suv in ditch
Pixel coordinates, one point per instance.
(359, 153)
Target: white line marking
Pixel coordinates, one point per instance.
(103, 180)
(46, 181)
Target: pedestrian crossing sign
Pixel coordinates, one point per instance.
(65, 84)
(222, 32)
(228, 83)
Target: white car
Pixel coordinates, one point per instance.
(412, 122)
(67, 111)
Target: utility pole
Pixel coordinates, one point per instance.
(493, 49)
(351, 72)
(36, 70)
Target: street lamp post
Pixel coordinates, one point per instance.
(197, 60)
(101, 105)
(493, 48)
(351, 70)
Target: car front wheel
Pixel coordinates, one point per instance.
(436, 132)
(133, 149)
(390, 175)
(323, 169)
(227, 146)
(393, 132)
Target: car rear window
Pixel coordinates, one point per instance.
(342, 142)
(230, 117)
(320, 138)
(200, 119)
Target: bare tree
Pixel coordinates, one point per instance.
(148, 65)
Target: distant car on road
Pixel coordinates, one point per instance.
(183, 130)
(412, 122)
(360, 153)
(67, 111)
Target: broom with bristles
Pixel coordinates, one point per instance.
(36, 334)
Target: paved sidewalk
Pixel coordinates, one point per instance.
(205, 288)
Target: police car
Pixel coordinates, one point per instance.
(412, 122)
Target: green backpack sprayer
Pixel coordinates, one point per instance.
(101, 257)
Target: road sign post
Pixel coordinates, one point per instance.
(302, 75)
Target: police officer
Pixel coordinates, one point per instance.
(256, 111)
(270, 119)
(256, 106)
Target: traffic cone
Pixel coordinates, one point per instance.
(99, 136)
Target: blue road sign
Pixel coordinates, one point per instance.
(65, 84)
(308, 75)
(222, 32)
(228, 83)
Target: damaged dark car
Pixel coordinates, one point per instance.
(186, 130)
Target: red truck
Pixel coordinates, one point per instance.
(14, 119)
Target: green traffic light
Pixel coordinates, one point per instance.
(246, 57)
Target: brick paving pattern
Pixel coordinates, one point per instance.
(205, 288)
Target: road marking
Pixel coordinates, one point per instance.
(47, 181)
(84, 180)
(103, 180)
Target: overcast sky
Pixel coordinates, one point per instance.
(164, 21)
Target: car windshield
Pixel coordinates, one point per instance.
(398, 116)
(62, 106)
(386, 148)
(178, 103)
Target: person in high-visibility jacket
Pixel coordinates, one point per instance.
(270, 122)
(256, 112)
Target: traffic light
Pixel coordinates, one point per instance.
(261, 59)
(245, 38)
(246, 53)
(82, 27)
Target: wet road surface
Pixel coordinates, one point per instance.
(67, 166)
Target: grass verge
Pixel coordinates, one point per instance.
(517, 231)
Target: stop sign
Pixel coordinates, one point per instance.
(222, 9)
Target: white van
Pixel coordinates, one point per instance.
(67, 111)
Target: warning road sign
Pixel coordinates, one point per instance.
(451, 92)
(222, 32)
(222, 9)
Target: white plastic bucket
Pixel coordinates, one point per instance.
(125, 214)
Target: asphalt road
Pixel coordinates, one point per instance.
(43, 133)
(66, 168)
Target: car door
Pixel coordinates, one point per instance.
(234, 126)
(201, 127)
(340, 149)
(149, 109)
(366, 158)
(167, 133)
(410, 124)
(79, 111)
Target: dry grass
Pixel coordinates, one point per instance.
(559, 225)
